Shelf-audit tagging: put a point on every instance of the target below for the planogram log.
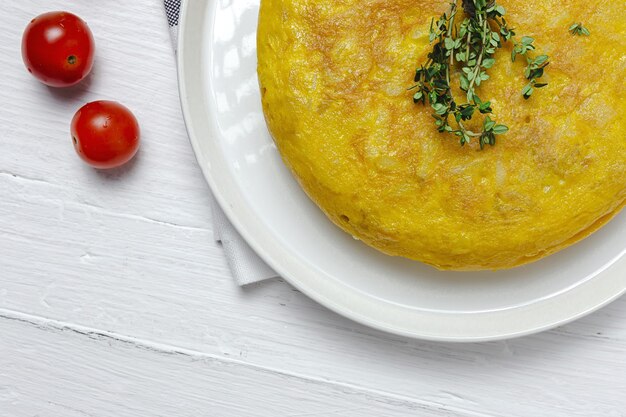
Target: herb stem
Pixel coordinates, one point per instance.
(468, 132)
(480, 57)
(450, 26)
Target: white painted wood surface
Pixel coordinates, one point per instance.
(115, 301)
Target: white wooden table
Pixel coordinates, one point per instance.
(115, 301)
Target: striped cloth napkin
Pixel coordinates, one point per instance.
(245, 265)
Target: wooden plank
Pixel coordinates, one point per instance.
(49, 368)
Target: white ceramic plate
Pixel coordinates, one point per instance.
(221, 105)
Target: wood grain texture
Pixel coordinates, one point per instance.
(102, 373)
(114, 299)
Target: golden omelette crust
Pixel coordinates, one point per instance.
(334, 75)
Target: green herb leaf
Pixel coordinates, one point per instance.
(500, 129)
(488, 124)
(488, 63)
(579, 29)
(527, 91)
(440, 108)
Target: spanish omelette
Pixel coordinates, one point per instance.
(334, 77)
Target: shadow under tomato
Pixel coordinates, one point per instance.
(115, 174)
(75, 92)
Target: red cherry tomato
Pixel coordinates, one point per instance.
(105, 134)
(58, 48)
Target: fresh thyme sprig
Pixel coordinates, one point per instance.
(536, 66)
(470, 46)
(579, 29)
(534, 71)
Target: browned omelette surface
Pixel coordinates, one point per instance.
(334, 76)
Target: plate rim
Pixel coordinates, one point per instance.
(611, 280)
